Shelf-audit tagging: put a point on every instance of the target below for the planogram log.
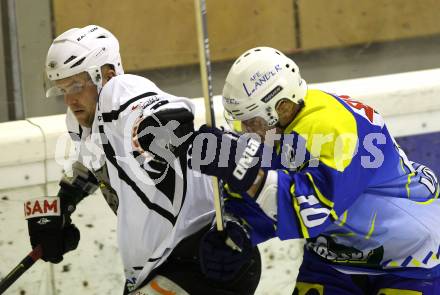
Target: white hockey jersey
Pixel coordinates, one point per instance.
(156, 209)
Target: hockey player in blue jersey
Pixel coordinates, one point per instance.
(328, 172)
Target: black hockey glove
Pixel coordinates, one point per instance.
(223, 254)
(50, 226)
(234, 159)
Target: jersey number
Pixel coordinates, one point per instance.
(429, 180)
(368, 111)
(427, 176)
(312, 216)
(364, 110)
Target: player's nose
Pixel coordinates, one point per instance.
(70, 99)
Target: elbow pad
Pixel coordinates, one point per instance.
(166, 131)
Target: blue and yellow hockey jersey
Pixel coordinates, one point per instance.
(346, 186)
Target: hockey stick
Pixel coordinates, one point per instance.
(205, 71)
(21, 268)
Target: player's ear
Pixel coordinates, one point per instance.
(108, 72)
(284, 106)
(286, 111)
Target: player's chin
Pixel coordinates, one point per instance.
(83, 118)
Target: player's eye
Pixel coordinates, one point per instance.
(75, 88)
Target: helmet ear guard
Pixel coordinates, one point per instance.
(83, 50)
(95, 74)
(257, 81)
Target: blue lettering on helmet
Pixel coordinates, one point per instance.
(257, 80)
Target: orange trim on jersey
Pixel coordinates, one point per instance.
(155, 286)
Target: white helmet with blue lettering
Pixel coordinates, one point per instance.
(257, 81)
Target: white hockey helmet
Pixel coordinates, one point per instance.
(257, 81)
(81, 50)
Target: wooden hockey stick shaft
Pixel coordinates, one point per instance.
(21, 268)
(206, 77)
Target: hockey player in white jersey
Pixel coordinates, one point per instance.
(132, 141)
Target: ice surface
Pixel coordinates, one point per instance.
(95, 267)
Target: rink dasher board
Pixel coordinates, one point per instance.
(409, 102)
